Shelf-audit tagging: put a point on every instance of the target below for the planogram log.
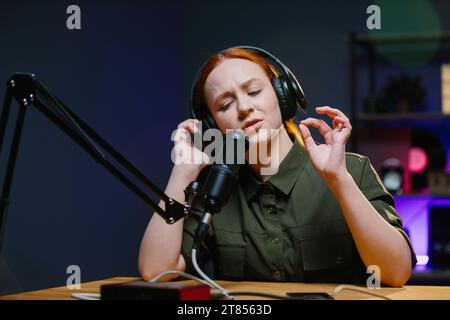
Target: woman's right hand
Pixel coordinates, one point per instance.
(184, 154)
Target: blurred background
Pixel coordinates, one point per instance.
(128, 73)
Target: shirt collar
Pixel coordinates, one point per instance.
(286, 177)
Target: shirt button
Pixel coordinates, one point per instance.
(270, 210)
(277, 274)
(275, 240)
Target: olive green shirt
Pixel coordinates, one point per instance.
(289, 228)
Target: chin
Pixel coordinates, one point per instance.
(262, 135)
(254, 139)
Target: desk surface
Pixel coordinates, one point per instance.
(403, 293)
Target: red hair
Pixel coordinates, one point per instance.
(237, 53)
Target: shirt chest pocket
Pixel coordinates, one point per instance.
(325, 250)
(329, 252)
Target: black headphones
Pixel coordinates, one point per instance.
(287, 88)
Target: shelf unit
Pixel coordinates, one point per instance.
(413, 208)
(368, 42)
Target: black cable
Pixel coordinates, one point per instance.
(258, 294)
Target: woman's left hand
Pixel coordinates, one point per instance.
(328, 158)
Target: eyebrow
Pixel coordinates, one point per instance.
(244, 85)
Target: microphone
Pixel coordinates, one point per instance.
(221, 179)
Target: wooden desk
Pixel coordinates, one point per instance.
(404, 293)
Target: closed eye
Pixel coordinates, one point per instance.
(225, 106)
(254, 93)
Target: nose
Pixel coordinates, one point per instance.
(244, 106)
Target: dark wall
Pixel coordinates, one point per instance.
(121, 74)
(308, 36)
(128, 74)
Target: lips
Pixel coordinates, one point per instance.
(253, 125)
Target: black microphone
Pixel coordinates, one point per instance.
(221, 179)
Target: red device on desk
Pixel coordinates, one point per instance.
(143, 290)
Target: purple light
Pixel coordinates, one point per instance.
(447, 169)
(414, 211)
(441, 202)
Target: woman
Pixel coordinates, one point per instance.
(323, 216)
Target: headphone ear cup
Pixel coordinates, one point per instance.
(204, 116)
(297, 90)
(287, 105)
(208, 121)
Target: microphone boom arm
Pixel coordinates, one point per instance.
(28, 90)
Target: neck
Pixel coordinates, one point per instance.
(270, 154)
